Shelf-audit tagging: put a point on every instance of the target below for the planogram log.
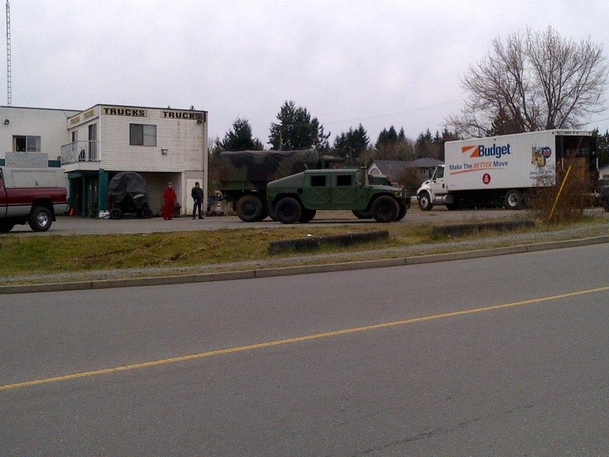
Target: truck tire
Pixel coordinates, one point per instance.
(40, 219)
(401, 213)
(116, 213)
(514, 199)
(251, 209)
(385, 209)
(425, 201)
(6, 226)
(307, 215)
(362, 214)
(288, 210)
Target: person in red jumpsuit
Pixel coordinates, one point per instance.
(169, 197)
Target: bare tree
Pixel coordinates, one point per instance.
(529, 82)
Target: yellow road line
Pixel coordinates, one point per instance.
(299, 339)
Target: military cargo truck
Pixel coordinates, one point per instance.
(296, 198)
(244, 175)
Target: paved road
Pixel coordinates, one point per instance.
(80, 226)
(499, 356)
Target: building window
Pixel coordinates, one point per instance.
(26, 143)
(142, 135)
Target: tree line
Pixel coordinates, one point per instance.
(529, 81)
(297, 129)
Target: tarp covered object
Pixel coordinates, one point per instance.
(128, 187)
(257, 168)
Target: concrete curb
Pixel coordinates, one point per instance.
(297, 270)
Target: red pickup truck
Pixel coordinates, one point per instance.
(31, 196)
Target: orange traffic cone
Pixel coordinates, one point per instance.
(71, 212)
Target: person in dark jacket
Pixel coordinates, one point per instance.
(197, 196)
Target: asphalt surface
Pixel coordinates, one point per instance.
(503, 356)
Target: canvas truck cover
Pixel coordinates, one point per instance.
(128, 185)
(255, 169)
(509, 161)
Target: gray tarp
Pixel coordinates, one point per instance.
(128, 188)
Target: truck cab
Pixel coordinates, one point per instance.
(434, 191)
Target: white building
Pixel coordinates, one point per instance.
(32, 137)
(161, 144)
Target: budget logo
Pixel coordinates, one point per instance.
(483, 151)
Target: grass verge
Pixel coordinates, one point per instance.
(24, 257)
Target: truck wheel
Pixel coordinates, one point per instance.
(425, 201)
(514, 199)
(401, 213)
(385, 209)
(362, 214)
(6, 226)
(250, 209)
(116, 213)
(288, 210)
(40, 219)
(307, 215)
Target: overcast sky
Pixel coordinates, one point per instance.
(378, 63)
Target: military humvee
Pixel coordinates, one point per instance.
(244, 175)
(296, 198)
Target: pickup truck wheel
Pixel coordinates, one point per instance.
(6, 226)
(250, 209)
(385, 209)
(288, 210)
(307, 215)
(40, 219)
(362, 214)
(425, 201)
(116, 213)
(514, 199)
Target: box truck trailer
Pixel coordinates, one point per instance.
(501, 171)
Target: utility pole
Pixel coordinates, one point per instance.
(9, 94)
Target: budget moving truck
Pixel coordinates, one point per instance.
(500, 171)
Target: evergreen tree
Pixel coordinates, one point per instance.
(392, 145)
(352, 143)
(387, 138)
(296, 129)
(240, 138)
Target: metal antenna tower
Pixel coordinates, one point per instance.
(9, 94)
